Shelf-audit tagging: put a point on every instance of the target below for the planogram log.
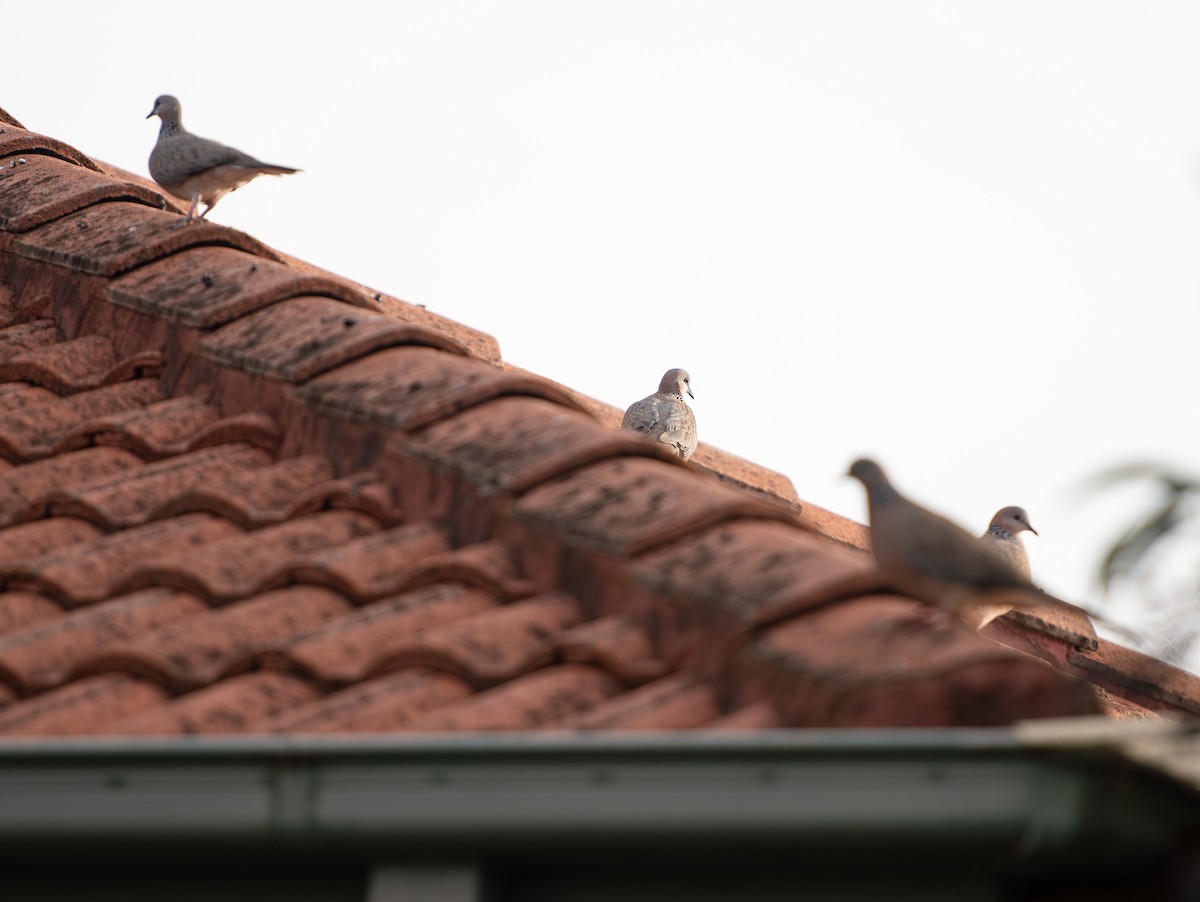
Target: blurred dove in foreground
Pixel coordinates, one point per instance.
(935, 561)
(1002, 536)
(665, 416)
(196, 169)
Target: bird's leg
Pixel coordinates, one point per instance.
(191, 213)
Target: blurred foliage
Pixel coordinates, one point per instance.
(1174, 508)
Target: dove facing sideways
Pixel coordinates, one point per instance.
(1003, 533)
(197, 169)
(664, 416)
(935, 561)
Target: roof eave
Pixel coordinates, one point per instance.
(832, 792)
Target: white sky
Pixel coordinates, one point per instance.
(959, 237)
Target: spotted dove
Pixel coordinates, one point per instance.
(664, 416)
(197, 169)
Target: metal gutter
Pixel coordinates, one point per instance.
(978, 791)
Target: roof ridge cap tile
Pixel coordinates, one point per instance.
(112, 238)
(1122, 670)
(8, 118)
(202, 286)
(40, 188)
(18, 139)
(299, 339)
(411, 386)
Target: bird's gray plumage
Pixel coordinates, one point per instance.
(199, 169)
(664, 416)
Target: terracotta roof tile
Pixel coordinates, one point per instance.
(131, 497)
(213, 285)
(41, 537)
(410, 387)
(158, 429)
(45, 188)
(39, 430)
(534, 701)
(85, 706)
(1151, 683)
(20, 337)
(47, 654)
(229, 565)
(381, 705)
(306, 336)
(190, 653)
(673, 703)
(237, 705)
(618, 644)
(864, 663)
(19, 610)
(757, 572)
(84, 574)
(113, 238)
(493, 646)
(514, 443)
(627, 505)
(757, 716)
(76, 365)
(17, 142)
(25, 491)
(18, 395)
(376, 564)
(355, 646)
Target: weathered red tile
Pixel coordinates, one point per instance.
(156, 430)
(1132, 675)
(869, 663)
(78, 365)
(674, 703)
(17, 396)
(82, 574)
(192, 652)
(627, 505)
(375, 565)
(495, 645)
(211, 286)
(257, 497)
(25, 491)
(113, 238)
(19, 610)
(350, 648)
(411, 387)
(297, 339)
(1123, 709)
(40, 333)
(152, 491)
(380, 705)
(1062, 621)
(513, 443)
(41, 537)
(46, 654)
(80, 708)
(180, 425)
(40, 429)
(756, 716)
(489, 565)
(44, 189)
(617, 644)
(532, 702)
(756, 571)
(18, 141)
(228, 569)
(243, 704)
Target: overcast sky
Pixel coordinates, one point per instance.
(958, 237)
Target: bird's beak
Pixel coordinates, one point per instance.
(1032, 530)
(149, 114)
(690, 395)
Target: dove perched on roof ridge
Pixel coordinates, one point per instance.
(1003, 536)
(199, 169)
(664, 416)
(935, 561)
